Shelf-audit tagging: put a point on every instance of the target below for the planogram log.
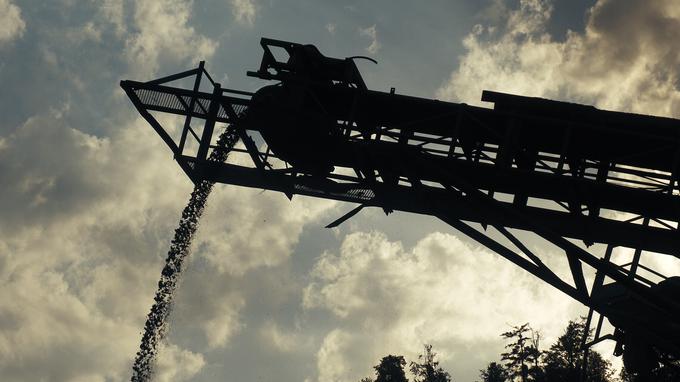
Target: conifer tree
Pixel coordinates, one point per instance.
(427, 369)
(494, 372)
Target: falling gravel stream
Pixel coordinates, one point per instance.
(156, 325)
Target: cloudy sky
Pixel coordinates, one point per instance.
(89, 195)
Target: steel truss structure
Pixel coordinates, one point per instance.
(571, 174)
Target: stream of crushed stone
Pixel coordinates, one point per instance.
(156, 326)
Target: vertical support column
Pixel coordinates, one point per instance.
(636, 256)
(597, 283)
(601, 177)
(563, 153)
(209, 123)
(349, 123)
(192, 104)
(674, 172)
(506, 149)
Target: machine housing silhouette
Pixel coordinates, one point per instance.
(571, 174)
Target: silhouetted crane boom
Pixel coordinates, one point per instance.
(557, 169)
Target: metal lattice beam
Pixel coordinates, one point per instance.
(556, 169)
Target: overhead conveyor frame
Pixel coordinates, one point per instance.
(562, 171)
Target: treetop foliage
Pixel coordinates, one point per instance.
(427, 368)
(523, 360)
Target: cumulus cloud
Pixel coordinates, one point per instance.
(332, 362)
(48, 332)
(86, 223)
(389, 300)
(163, 34)
(69, 263)
(279, 338)
(87, 32)
(87, 220)
(12, 25)
(244, 11)
(626, 59)
(372, 35)
(112, 12)
(246, 235)
(175, 364)
(242, 230)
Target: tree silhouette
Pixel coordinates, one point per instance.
(523, 357)
(598, 369)
(524, 361)
(428, 369)
(494, 372)
(563, 361)
(391, 369)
